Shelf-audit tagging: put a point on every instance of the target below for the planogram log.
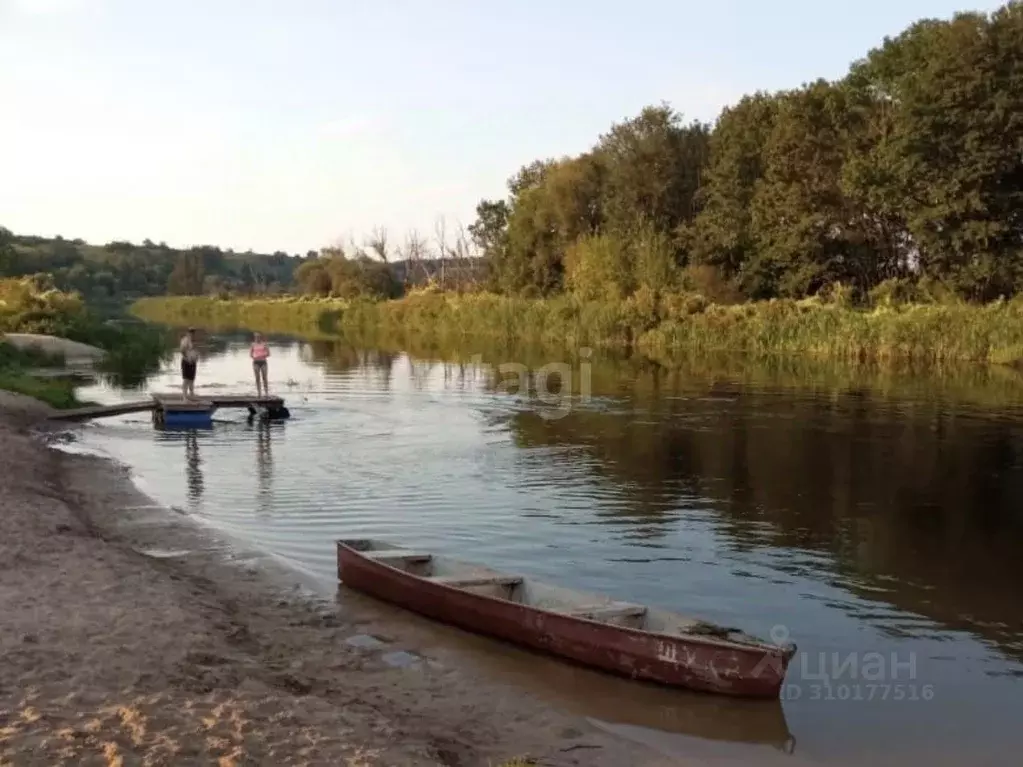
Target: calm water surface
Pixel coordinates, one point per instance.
(883, 533)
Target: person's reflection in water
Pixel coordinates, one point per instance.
(193, 472)
(264, 465)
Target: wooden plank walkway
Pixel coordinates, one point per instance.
(101, 411)
(227, 400)
(164, 401)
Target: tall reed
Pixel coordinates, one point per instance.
(662, 327)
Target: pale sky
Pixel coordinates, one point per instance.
(287, 124)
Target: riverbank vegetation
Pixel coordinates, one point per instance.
(295, 315)
(695, 373)
(875, 217)
(133, 350)
(16, 375)
(665, 328)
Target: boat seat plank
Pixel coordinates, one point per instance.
(612, 610)
(408, 556)
(461, 581)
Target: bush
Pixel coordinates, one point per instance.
(709, 281)
(33, 305)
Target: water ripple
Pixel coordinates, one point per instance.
(687, 502)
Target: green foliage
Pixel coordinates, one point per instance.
(721, 235)
(336, 275)
(489, 231)
(56, 393)
(13, 357)
(951, 94)
(908, 168)
(640, 179)
(133, 350)
(651, 168)
(186, 278)
(33, 305)
(927, 333)
(611, 267)
(15, 376)
(801, 222)
(299, 315)
(598, 269)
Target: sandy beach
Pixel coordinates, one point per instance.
(131, 635)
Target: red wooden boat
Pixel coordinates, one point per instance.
(620, 637)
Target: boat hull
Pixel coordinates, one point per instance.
(696, 663)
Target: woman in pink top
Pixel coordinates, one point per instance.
(259, 351)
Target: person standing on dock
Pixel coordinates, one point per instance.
(259, 351)
(189, 361)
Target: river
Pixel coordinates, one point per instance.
(876, 522)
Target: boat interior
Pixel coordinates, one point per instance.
(491, 583)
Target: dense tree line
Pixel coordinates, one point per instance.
(905, 176)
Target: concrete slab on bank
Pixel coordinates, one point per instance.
(74, 352)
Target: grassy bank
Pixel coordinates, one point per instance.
(15, 376)
(666, 328)
(305, 316)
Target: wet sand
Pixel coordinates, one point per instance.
(131, 635)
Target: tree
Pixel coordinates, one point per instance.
(651, 168)
(378, 244)
(529, 176)
(721, 233)
(801, 220)
(8, 256)
(489, 231)
(187, 276)
(953, 154)
(313, 278)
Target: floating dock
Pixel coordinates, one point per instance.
(174, 410)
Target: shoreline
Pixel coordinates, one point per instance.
(665, 328)
(132, 631)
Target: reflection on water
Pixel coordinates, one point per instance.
(871, 516)
(193, 470)
(260, 476)
(264, 463)
(899, 507)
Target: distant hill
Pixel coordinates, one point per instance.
(119, 272)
